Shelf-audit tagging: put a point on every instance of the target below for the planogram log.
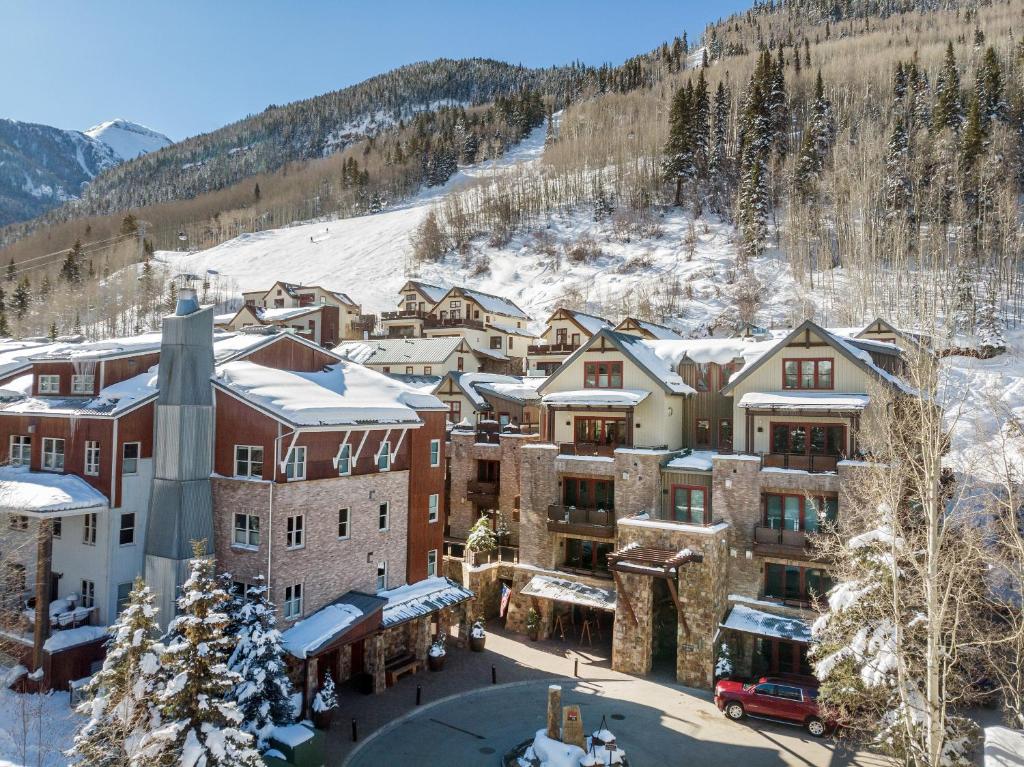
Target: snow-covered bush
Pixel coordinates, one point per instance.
(723, 666)
(481, 536)
(264, 692)
(437, 648)
(477, 631)
(326, 697)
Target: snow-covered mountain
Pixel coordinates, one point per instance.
(42, 167)
(128, 139)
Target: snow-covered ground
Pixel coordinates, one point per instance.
(34, 729)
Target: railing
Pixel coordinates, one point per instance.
(508, 554)
(449, 322)
(487, 437)
(405, 314)
(482, 487)
(588, 449)
(456, 549)
(569, 519)
(551, 348)
(816, 464)
(808, 603)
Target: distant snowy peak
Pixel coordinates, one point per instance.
(128, 140)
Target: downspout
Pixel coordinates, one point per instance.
(270, 531)
(113, 467)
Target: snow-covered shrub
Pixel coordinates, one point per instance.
(437, 648)
(477, 631)
(723, 666)
(481, 537)
(326, 697)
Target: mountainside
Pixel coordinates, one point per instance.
(42, 167)
(128, 140)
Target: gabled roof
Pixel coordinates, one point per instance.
(240, 344)
(110, 348)
(886, 326)
(432, 292)
(475, 385)
(664, 369)
(655, 330)
(488, 301)
(858, 357)
(588, 323)
(402, 351)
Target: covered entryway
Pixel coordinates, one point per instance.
(762, 643)
(582, 613)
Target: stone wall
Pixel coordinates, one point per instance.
(484, 582)
(539, 489)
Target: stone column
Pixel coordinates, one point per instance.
(631, 640)
(554, 712)
(421, 638)
(374, 661)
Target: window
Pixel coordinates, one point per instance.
(455, 411)
(703, 377)
(296, 466)
(797, 584)
(386, 369)
(131, 452)
(435, 453)
(124, 592)
(344, 522)
(428, 370)
(126, 535)
(587, 555)
(496, 342)
(702, 432)
(345, 460)
(432, 563)
(807, 374)
(92, 458)
(247, 530)
(53, 454)
(293, 601)
(602, 431)
(18, 522)
(384, 456)
(504, 419)
(725, 434)
(799, 512)
(689, 504)
(602, 375)
(21, 450)
(82, 384)
(587, 493)
(383, 517)
(240, 589)
(808, 438)
(294, 535)
(382, 576)
(88, 594)
(561, 335)
(488, 471)
(460, 363)
(455, 304)
(409, 370)
(57, 527)
(432, 503)
(49, 384)
(249, 461)
(89, 530)
(575, 338)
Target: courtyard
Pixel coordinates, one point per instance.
(464, 719)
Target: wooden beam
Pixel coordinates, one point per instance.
(620, 590)
(679, 608)
(44, 551)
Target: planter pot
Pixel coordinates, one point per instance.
(322, 719)
(533, 633)
(476, 644)
(435, 662)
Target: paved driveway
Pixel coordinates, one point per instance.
(658, 726)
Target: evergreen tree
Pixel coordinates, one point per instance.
(52, 333)
(77, 327)
(200, 724)
(3, 300)
(679, 163)
(720, 129)
(120, 710)
(757, 136)
(948, 111)
(12, 271)
(256, 192)
(172, 297)
(701, 127)
(990, 325)
(5, 329)
(777, 104)
(129, 224)
(71, 269)
(21, 298)
(817, 143)
(897, 170)
(973, 137)
(990, 92)
(264, 692)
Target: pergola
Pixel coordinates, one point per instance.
(653, 562)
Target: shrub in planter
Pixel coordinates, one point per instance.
(436, 654)
(723, 666)
(477, 636)
(533, 624)
(324, 703)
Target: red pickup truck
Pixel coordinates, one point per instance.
(771, 698)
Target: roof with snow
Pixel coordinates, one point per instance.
(433, 293)
(803, 400)
(112, 401)
(474, 385)
(656, 331)
(421, 598)
(400, 351)
(570, 592)
(282, 314)
(765, 624)
(331, 623)
(591, 323)
(597, 397)
(488, 302)
(109, 348)
(345, 394)
(695, 460)
(47, 494)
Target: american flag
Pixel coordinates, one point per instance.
(506, 593)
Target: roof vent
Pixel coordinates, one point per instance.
(187, 302)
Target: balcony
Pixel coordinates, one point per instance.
(563, 348)
(597, 523)
(451, 322)
(815, 464)
(588, 449)
(405, 314)
(480, 490)
(774, 542)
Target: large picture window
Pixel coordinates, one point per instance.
(53, 454)
(799, 512)
(249, 461)
(795, 584)
(582, 554)
(807, 374)
(601, 431)
(602, 375)
(808, 438)
(689, 504)
(586, 493)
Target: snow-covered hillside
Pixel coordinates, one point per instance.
(127, 139)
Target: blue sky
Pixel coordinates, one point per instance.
(188, 66)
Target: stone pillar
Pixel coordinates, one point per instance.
(631, 640)
(638, 481)
(554, 721)
(421, 638)
(462, 468)
(539, 486)
(374, 661)
(510, 487)
(701, 587)
(736, 499)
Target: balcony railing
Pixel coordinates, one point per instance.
(816, 464)
(509, 554)
(588, 449)
(552, 348)
(487, 437)
(599, 523)
(451, 322)
(405, 314)
(456, 549)
(482, 488)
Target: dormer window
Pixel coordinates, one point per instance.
(49, 384)
(82, 384)
(807, 374)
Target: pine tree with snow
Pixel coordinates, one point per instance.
(12, 271)
(21, 298)
(326, 697)
(701, 128)
(201, 725)
(989, 327)
(948, 112)
(481, 536)
(679, 165)
(264, 693)
(121, 710)
(897, 170)
(989, 89)
(5, 328)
